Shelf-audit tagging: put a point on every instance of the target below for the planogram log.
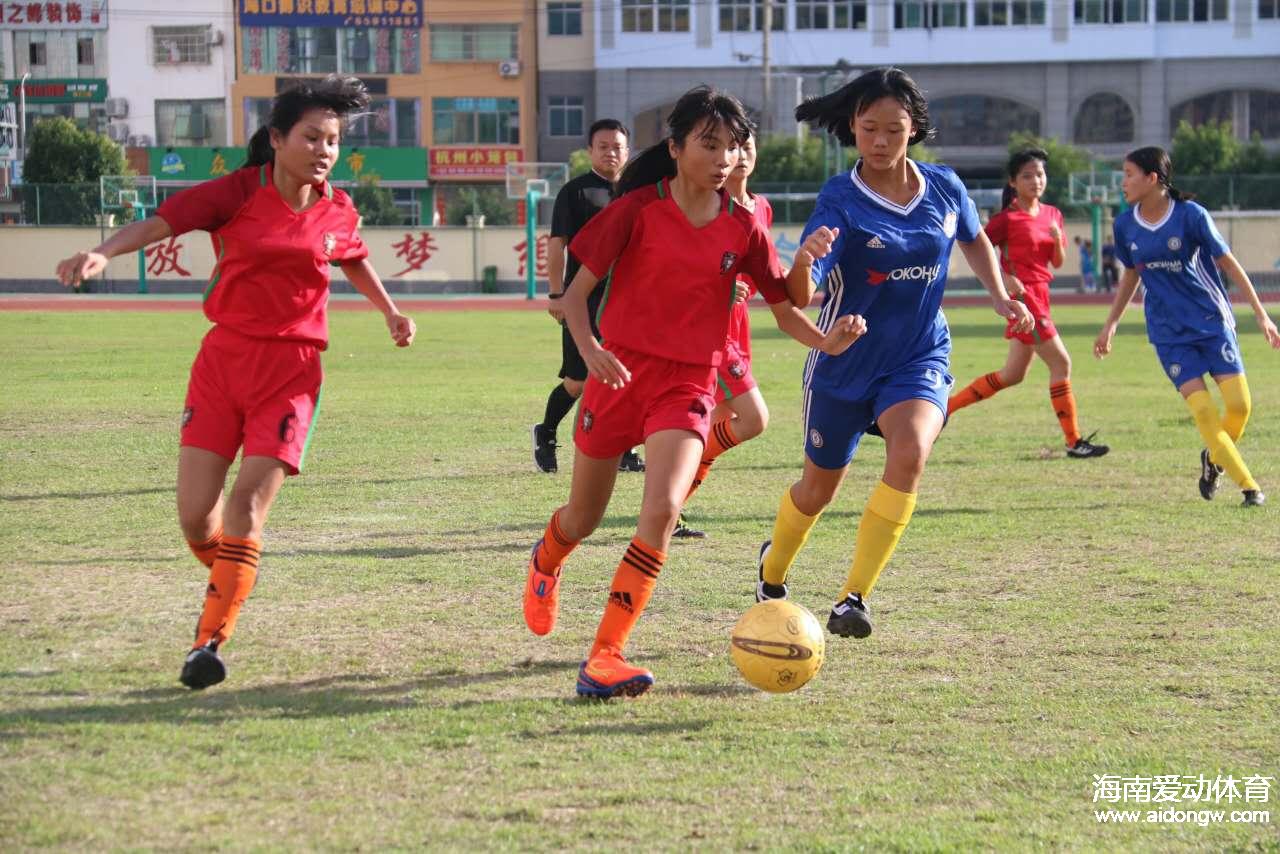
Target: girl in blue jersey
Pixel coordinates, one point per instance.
(1166, 241)
(893, 222)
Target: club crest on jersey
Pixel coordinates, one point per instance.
(815, 438)
(949, 224)
(727, 260)
(588, 420)
(737, 370)
(1174, 244)
(1174, 370)
(875, 242)
(330, 243)
(187, 415)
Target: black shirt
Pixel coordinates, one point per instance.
(576, 203)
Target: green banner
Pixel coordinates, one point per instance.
(59, 90)
(181, 163)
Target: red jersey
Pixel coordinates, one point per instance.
(271, 279)
(1024, 243)
(670, 292)
(739, 324)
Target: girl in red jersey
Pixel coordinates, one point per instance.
(673, 244)
(1029, 235)
(277, 226)
(740, 413)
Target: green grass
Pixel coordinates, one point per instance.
(1043, 621)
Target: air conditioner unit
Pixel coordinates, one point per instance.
(118, 132)
(213, 37)
(117, 108)
(140, 140)
(509, 68)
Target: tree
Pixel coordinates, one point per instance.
(1207, 149)
(377, 205)
(70, 161)
(579, 163)
(1063, 160)
(786, 159)
(490, 203)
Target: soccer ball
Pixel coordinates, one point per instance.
(777, 646)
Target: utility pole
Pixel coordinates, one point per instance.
(766, 118)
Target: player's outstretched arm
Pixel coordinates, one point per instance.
(1229, 265)
(85, 265)
(796, 323)
(1124, 293)
(365, 280)
(981, 256)
(601, 364)
(800, 276)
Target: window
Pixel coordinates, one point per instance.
(1213, 107)
(661, 16)
(180, 45)
(388, 122)
(1104, 117)
(355, 50)
(564, 19)
(913, 14)
(835, 15)
(568, 116)
(201, 123)
(37, 54)
(748, 15)
(1110, 11)
(1004, 13)
(980, 119)
(1269, 9)
(474, 42)
(1191, 10)
(1264, 114)
(84, 50)
(494, 121)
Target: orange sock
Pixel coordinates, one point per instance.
(633, 583)
(719, 440)
(1064, 406)
(554, 548)
(980, 389)
(208, 550)
(230, 582)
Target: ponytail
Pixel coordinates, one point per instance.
(653, 164)
(1007, 197)
(260, 151)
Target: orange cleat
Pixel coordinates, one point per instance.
(607, 674)
(541, 597)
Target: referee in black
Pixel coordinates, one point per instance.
(576, 203)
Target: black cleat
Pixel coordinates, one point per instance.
(764, 590)
(1084, 448)
(203, 667)
(1209, 476)
(544, 450)
(850, 618)
(1253, 498)
(631, 461)
(683, 531)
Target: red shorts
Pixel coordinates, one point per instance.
(252, 392)
(662, 395)
(733, 376)
(1036, 299)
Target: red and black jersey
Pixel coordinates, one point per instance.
(271, 279)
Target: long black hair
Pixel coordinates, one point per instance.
(1014, 166)
(343, 95)
(833, 112)
(1153, 159)
(701, 104)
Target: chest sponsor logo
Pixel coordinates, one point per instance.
(918, 273)
(727, 260)
(1174, 244)
(329, 243)
(949, 224)
(1173, 266)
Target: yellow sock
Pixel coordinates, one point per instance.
(883, 520)
(790, 530)
(1235, 394)
(1221, 449)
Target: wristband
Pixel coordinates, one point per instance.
(555, 296)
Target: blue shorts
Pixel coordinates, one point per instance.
(833, 427)
(1191, 360)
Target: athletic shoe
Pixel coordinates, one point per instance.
(765, 591)
(544, 450)
(607, 674)
(1253, 498)
(541, 597)
(1084, 448)
(203, 667)
(850, 618)
(683, 530)
(1209, 476)
(631, 462)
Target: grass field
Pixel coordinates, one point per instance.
(1045, 620)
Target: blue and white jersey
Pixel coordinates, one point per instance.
(889, 264)
(1185, 299)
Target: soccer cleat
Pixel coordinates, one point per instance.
(1085, 448)
(541, 597)
(544, 450)
(631, 461)
(764, 590)
(850, 618)
(1253, 498)
(607, 674)
(683, 531)
(203, 667)
(1210, 474)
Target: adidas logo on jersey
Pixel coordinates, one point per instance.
(875, 242)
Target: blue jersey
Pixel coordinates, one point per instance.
(889, 264)
(1185, 299)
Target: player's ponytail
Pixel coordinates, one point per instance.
(1154, 160)
(835, 112)
(701, 108)
(1007, 196)
(344, 96)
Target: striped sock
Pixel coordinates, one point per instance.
(720, 439)
(1064, 406)
(230, 581)
(980, 389)
(207, 551)
(554, 547)
(633, 583)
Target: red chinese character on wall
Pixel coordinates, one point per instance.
(415, 252)
(73, 13)
(53, 13)
(164, 258)
(522, 255)
(35, 13)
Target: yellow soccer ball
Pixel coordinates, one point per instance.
(778, 646)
